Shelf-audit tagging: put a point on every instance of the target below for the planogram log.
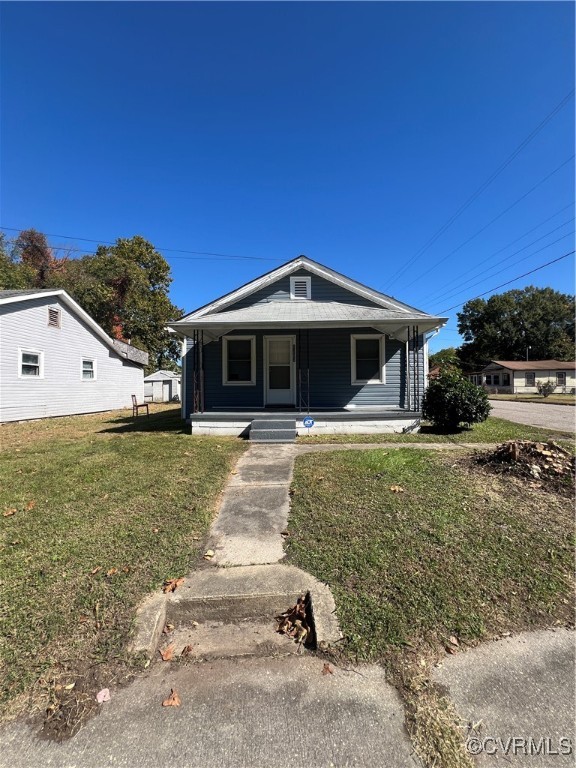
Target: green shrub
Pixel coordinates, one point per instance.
(451, 400)
(545, 388)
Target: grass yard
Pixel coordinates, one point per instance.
(96, 512)
(553, 399)
(453, 557)
(492, 430)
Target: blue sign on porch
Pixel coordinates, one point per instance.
(308, 422)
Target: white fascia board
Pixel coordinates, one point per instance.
(76, 308)
(218, 330)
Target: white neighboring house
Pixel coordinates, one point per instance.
(162, 386)
(521, 376)
(55, 360)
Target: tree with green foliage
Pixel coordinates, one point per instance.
(451, 400)
(504, 326)
(445, 358)
(124, 287)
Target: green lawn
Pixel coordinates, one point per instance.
(492, 430)
(96, 512)
(554, 399)
(456, 554)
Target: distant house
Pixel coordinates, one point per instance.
(304, 340)
(55, 360)
(162, 387)
(520, 376)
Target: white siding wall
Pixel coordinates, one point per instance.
(520, 380)
(61, 391)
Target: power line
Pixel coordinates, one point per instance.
(482, 187)
(519, 277)
(499, 216)
(447, 294)
(440, 293)
(203, 254)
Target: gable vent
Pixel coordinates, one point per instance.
(300, 287)
(54, 317)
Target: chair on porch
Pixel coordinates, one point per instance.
(136, 407)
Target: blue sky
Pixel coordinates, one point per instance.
(349, 132)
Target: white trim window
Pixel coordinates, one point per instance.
(30, 364)
(300, 288)
(560, 378)
(530, 378)
(367, 358)
(88, 369)
(239, 361)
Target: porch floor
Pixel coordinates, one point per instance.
(334, 414)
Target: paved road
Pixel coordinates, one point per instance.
(548, 416)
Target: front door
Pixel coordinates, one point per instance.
(279, 370)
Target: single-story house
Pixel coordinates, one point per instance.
(55, 360)
(162, 387)
(520, 376)
(302, 340)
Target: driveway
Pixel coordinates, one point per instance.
(562, 417)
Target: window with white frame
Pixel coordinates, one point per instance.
(488, 379)
(300, 288)
(239, 360)
(30, 364)
(367, 358)
(54, 317)
(505, 379)
(530, 379)
(560, 378)
(496, 380)
(88, 369)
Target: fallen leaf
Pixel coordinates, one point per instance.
(125, 569)
(168, 653)
(397, 489)
(112, 572)
(173, 700)
(327, 670)
(284, 533)
(69, 686)
(454, 640)
(95, 570)
(451, 649)
(10, 512)
(30, 505)
(187, 650)
(171, 585)
(103, 695)
(155, 530)
(209, 554)
(167, 629)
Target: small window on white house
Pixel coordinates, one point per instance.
(367, 353)
(88, 369)
(54, 317)
(30, 364)
(530, 379)
(239, 360)
(300, 288)
(560, 378)
(505, 379)
(496, 380)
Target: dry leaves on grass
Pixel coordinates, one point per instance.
(173, 700)
(396, 489)
(9, 512)
(171, 585)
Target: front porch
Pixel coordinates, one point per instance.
(237, 421)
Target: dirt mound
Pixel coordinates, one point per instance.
(546, 465)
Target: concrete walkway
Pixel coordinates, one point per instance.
(519, 688)
(558, 417)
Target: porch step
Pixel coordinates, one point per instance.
(273, 430)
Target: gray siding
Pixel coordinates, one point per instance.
(326, 354)
(321, 290)
(61, 391)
